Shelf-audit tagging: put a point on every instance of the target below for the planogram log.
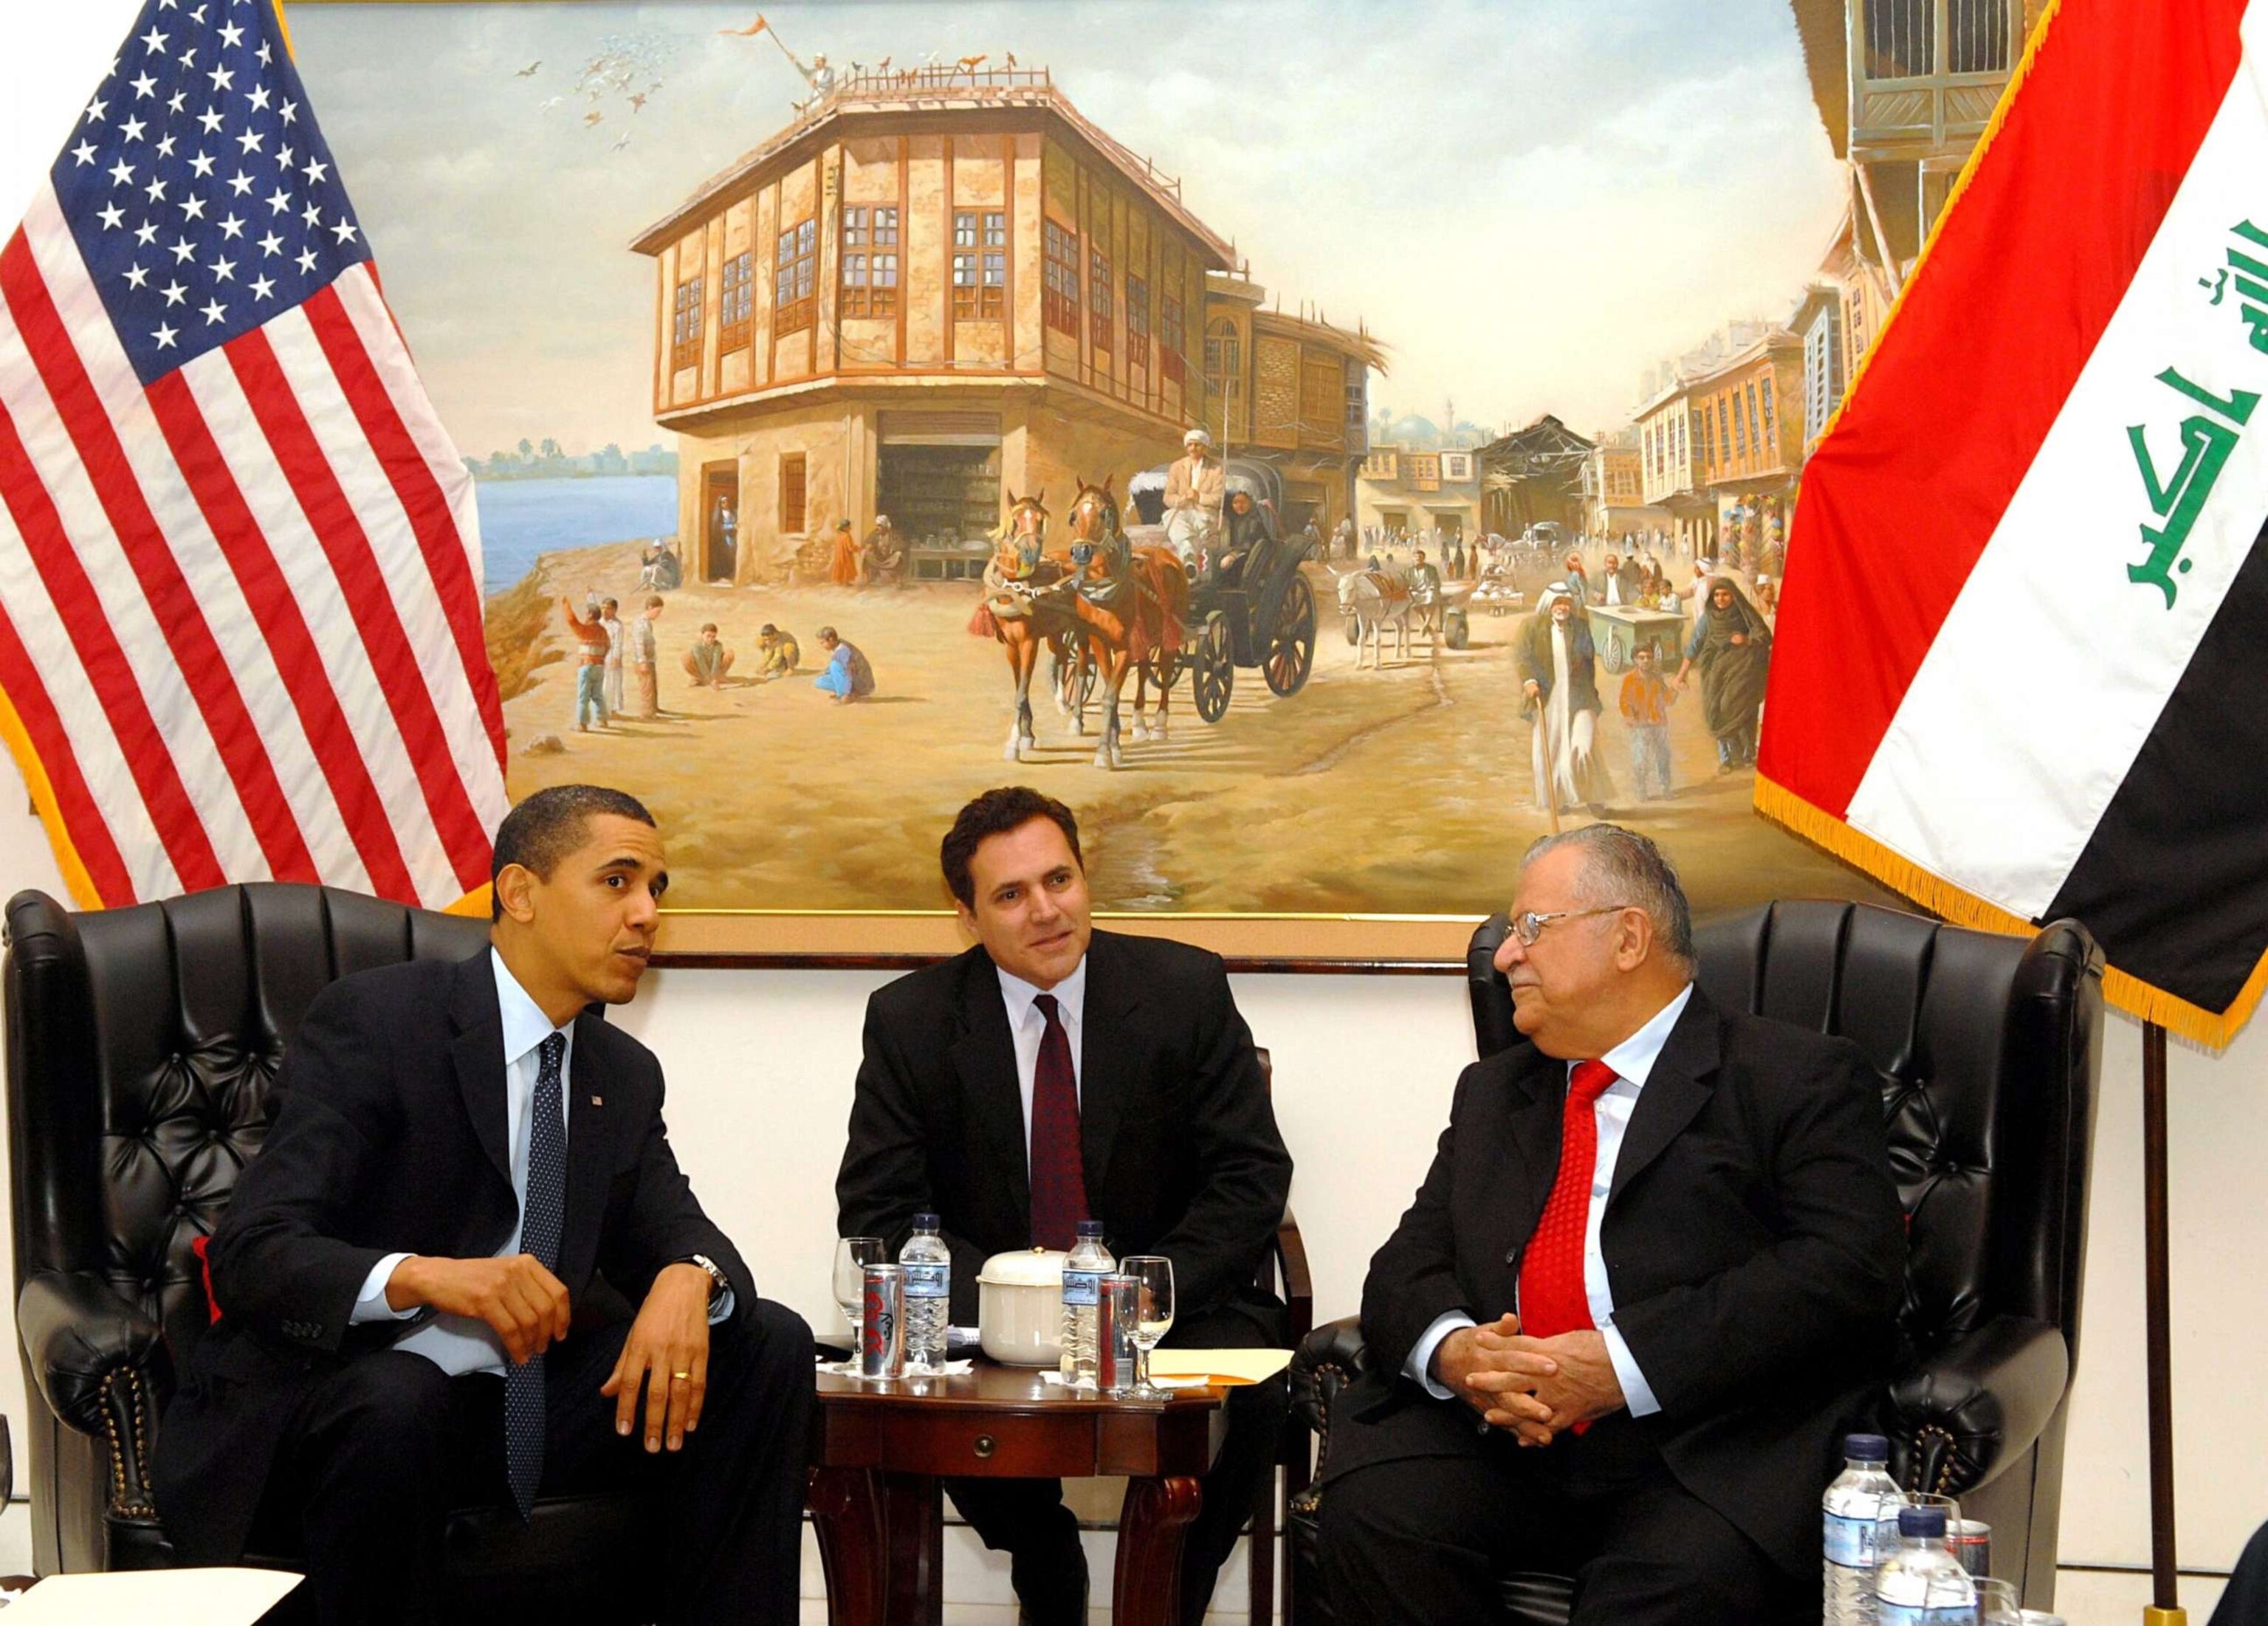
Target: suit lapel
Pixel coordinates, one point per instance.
(1107, 1027)
(586, 1157)
(478, 1053)
(1683, 1078)
(984, 1056)
(1535, 1093)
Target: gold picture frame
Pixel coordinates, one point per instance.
(1307, 940)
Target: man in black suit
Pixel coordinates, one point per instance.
(455, 1152)
(1648, 1277)
(1051, 1074)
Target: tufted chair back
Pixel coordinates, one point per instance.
(140, 1045)
(160, 1028)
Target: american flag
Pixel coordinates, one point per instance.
(239, 563)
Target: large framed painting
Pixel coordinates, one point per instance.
(839, 366)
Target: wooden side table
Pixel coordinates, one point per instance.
(880, 1449)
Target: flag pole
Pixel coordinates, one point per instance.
(2165, 1581)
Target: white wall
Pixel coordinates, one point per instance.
(763, 1062)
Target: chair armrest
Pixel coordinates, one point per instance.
(1328, 1360)
(1976, 1405)
(102, 1367)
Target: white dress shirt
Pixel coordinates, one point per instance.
(1633, 1061)
(459, 1344)
(1026, 1026)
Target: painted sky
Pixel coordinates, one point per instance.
(1531, 203)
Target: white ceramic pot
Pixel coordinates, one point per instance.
(1020, 1306)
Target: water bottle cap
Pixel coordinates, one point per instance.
(1090, 1227)
(1922, 1521)
(1866, 1448)
(924, 1222)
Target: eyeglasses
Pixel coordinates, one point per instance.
(1529, 926)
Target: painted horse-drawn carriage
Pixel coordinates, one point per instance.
(1250, 605)
(1111, 602)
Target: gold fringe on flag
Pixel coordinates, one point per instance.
(1939, 896)
(76, 879)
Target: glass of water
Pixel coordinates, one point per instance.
(1154, 1277)
(852, 1255)
(1997, 1604)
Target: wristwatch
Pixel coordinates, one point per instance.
(719, 1283)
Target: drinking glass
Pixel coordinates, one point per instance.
(852, 1255)
(1997, 1604)
(1886, 1529)
(1154, 1277)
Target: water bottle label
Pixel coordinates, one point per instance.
(1888, 1613)
(1850, 1541)
(1082, 1287)
(928, 1281)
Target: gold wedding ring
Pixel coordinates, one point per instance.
(684, 1376)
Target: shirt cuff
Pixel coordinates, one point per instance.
(721, 1310)
(1419, 1367)
(371, 1304)
(1637, 1398)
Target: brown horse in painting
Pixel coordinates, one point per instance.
(1024, 606)
(1130, 606)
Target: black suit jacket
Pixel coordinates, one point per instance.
(1181, 1155)
(386, 1134)
(1754, 1245)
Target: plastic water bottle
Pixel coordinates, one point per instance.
(1082, 1296)
(929, 1293)
(1853, 1504)
(1922, 1584)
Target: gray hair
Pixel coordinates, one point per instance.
(1622, 867)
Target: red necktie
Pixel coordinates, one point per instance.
(1059, 1174)
(1551, 1297)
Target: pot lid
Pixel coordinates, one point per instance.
(1026, 1267)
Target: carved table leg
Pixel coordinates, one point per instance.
(846, 1511)
(1147, 1590)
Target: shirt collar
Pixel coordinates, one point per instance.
(1071, 994)
(1634, 1057)
(525, 1025)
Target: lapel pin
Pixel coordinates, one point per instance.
(598, 1101)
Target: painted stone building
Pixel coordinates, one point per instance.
(928, 291)
(1532, 476)
(1404, 490)
(1614, 489)
(1292, 391)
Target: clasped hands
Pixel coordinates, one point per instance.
(1536, 1387)
(526, 1307)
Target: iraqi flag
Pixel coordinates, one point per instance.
(2022, 665)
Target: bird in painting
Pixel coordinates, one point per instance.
(593, 117)
(528, 73)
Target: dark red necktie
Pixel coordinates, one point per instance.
(1551, 1297)
(1058, 1175)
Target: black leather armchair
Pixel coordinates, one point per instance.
(1988, 1047)
(140, 1044)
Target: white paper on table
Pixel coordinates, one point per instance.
(137, 1597)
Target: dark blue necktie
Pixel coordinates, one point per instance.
(540, 1213)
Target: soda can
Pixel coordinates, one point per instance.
(882, 1332)
(1113, 1318)
(1971, 1541)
